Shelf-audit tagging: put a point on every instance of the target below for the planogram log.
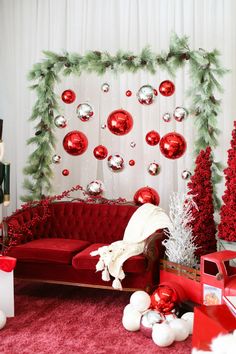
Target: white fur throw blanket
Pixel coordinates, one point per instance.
(144, 222)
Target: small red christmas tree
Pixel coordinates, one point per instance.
(227, 226)
(200, 187)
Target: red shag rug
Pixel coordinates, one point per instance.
(57, 319)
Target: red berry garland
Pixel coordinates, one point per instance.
(200, 186)
(227, 226)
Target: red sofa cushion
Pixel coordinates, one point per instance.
(83, 260)
(56, 250)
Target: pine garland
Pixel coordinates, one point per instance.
(204, 70)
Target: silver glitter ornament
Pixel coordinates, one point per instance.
(186, 174)
(115, 163)
(56, 159)
(105, 87)
(95, 188)
(84, 112)
(146, 95)
(60, 122)
(103, 126)
(180, 113)
(153, 169)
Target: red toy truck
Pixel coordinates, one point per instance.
(214, 283)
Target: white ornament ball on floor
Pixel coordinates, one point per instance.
(162, 334)
(129, 308)
(140, 300)
(180, 328)
(3, 319)
(131, 320)
(189, 318)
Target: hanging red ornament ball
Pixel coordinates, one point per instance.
(146, 195)
(164, 299)
(173, 145)
(120, 122)
(167, 88)
(68, 96)
(65, 172)
(128, 93)
(131, 162)
(152, 138)
(75, 143)
(100, 152)
(155, 92)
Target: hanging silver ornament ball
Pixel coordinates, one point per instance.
(166, 117)
(105, 87)
(153, 169)
(115, 163)
(186, 175)
(132, 144)
(146, 95)
(56, 159)
(103, 126)
(95, 188)
(60, 122)
(180, 113)
(84, 112)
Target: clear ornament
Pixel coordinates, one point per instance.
(166, 117)
(153, 169)
(95, 188)
(103, 126)
(133, 144)
(115, 162)
(186, 175)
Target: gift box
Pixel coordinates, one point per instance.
(7, 265)
(209, 322)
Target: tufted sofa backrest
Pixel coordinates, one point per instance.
(96, 223)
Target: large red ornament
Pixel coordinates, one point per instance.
(163, 299)
(146, 195)
(152, 138)
(100, 152)
(167, 88)
(120, 122)
(68, 96)
(75, 143)
(173, 145)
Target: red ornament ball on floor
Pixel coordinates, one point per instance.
(152, 138)
(146, 195)
(68, 96)
(167, 88)
(120, 122)
(164, 299)
(65, 172)
(75, 143)
(173, 145)
(100, 152)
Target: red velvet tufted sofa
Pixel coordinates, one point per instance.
(57, 249)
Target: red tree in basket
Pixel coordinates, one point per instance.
(200, 186)
(227, 226)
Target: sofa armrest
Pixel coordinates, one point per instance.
(153, 248)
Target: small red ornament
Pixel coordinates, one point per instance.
(152, 138)
(100, 152)
(128, 93)
(146, 195)
(173, 145)
(120, 122)
(131, 162)
(163, 299)
(65, 172)
(155, 92)
(167, 88)
(75, 143)
(68, 96)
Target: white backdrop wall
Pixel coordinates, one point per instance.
(27, 27)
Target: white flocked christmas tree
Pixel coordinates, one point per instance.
(180, 247)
